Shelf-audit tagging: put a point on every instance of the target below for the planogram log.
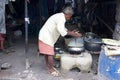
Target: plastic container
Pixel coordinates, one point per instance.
(108, 67)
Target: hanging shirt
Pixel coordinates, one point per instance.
(53, 28)
(2, 16)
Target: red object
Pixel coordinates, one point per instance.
(2, 37)
(45, 49)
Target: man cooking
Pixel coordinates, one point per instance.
(49, 34)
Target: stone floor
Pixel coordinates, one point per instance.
(37, 70)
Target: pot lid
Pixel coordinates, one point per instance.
(95, 40)
(90, 35)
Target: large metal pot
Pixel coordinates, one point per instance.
(76, 49)
(76, 46)
(93, 44)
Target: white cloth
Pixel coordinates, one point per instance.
(4, 1)
(12, 0)
(53, 28)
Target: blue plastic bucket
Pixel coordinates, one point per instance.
(108, 67)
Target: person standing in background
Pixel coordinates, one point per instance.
(116, 33)
(2, 23)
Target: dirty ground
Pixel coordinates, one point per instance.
(37, 70)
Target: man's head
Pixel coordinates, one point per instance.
(68, 11)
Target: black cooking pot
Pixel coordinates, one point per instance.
(93, 44)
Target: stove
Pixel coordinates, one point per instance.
(94, 52)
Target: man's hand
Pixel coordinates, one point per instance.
(74, 33)
(77, 34)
